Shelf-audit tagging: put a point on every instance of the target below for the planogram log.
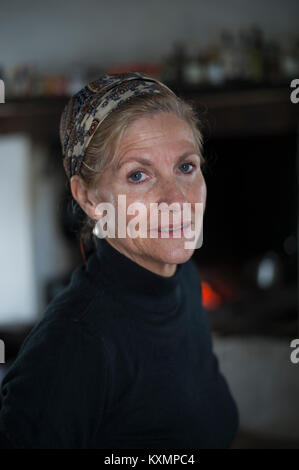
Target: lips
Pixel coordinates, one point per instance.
(172, 228)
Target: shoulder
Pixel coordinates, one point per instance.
(66, 330)
(77, 306)
(55, 347)
(57, 364)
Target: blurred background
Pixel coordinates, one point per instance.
(234, 61)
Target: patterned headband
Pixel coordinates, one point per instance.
(87, 109)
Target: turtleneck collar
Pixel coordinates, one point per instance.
(133, 283)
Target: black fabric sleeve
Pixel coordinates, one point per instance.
(5, 443)
(54, 393)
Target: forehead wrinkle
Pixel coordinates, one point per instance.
(142, 141)
(138, 145)
(150, 133)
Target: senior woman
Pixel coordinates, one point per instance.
(123, 356)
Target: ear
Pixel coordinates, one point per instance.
(84, 196)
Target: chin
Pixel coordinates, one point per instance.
(174, 253)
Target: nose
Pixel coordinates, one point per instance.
(171, 192)
(171, 202)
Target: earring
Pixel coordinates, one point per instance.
(97, 230)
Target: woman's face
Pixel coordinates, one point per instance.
(158, 162)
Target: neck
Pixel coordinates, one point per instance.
(163, 269)
(132, 283)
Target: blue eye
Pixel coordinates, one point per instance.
(138, 180)
(187, 165)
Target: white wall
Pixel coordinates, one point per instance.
(52, 253)
(33, 250)
(56, 34)
(18, 292)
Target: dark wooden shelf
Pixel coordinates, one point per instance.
(245, 113)
(226, 113)
(38, 117)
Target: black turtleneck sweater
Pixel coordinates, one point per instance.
(122, 358)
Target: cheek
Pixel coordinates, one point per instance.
(132, 204)
(203, 194)
(197, 191)
(106, 192)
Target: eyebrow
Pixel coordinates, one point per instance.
(147, 162)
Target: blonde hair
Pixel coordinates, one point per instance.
(103, 148)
